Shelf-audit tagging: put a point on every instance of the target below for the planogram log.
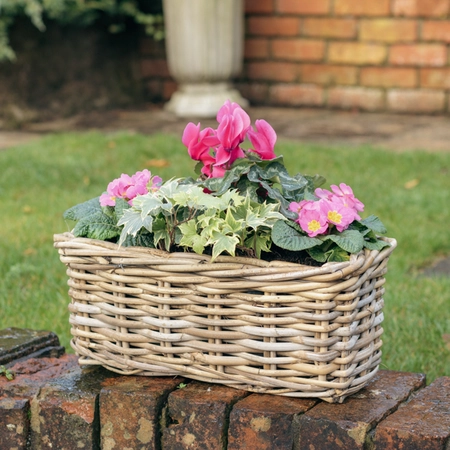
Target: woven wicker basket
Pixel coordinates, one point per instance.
(278, 327)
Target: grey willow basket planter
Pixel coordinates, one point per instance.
(268, 327)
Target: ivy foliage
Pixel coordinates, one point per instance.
(75, 12)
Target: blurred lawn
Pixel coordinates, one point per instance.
(409, 191)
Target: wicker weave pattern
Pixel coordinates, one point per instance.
(278, 327)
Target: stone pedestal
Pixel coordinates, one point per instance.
(204, 45)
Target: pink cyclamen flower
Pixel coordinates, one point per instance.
(199, 142)
(234, 123)
(311, 219)
(337, 213)
(263, 140)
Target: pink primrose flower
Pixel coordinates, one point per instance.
(337, 213)
(346, 194)
(128, 188)
(263, 140)
(312, 220)
(297, 206)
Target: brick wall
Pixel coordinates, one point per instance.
(383, 55)
(52, 403)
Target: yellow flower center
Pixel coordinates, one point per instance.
(334, 216)
(314, 225)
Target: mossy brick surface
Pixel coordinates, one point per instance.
(265, 422)
(17, 343)
(423, 424)
(130, 410)
(196, 416)
(349, 425)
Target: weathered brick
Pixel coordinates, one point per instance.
(14, 423)
(435, 78)
(130, 408)
(256, 48)
(259, 6)
(197, 416)
(418, 55)
(423, 424)
(436, 30)
(421, 8)
(328, 75)
(151, 48)
(32, 373)
(329, 27)
(154, 68)
(416, 101)
(388, 77)
(347, 426)
(298, 49)
(296, 95)
(64, 414)
(365, 99)
(362, 8)
(316, 7)
(358, 53)
(264, 422)
(388, 30)
(272, 71)
(17, 343)
(273, 26)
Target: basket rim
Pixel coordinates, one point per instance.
(357, 262)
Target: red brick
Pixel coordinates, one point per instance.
(388, 77)
(197, 416)
(316, 7)
(332, 28)
(272, 71)
(360, 98)
(259, 6)
(63, 414)
(130, 408)
(356, 53)
(169, 87)
(14, 423)
(273, 26)
(256, 48)
(154, 68)
(423, 424)
(265, 422)
(298, 49)
(421, 8)
(418, 55)
(388, 30)
(362, 8)
(436, 30)
(296, 95)
(418, 101)
(346, 426)
(328, 75)
(435, 78)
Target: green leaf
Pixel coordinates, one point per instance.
(83, 210)
(97, 226)
(374, 223)
(223, 243)
(142, 239)
(121, 206)
(337, 254)
(349, 240)
(191, 238)
(377, 244)
(132, 222)
(285, 236)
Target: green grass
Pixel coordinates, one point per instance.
(41, 180)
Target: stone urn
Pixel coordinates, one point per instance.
(204, 46)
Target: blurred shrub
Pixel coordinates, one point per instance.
(115, 14)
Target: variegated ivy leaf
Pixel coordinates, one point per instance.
(132, 222)
(191, 238)
(223, 244)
